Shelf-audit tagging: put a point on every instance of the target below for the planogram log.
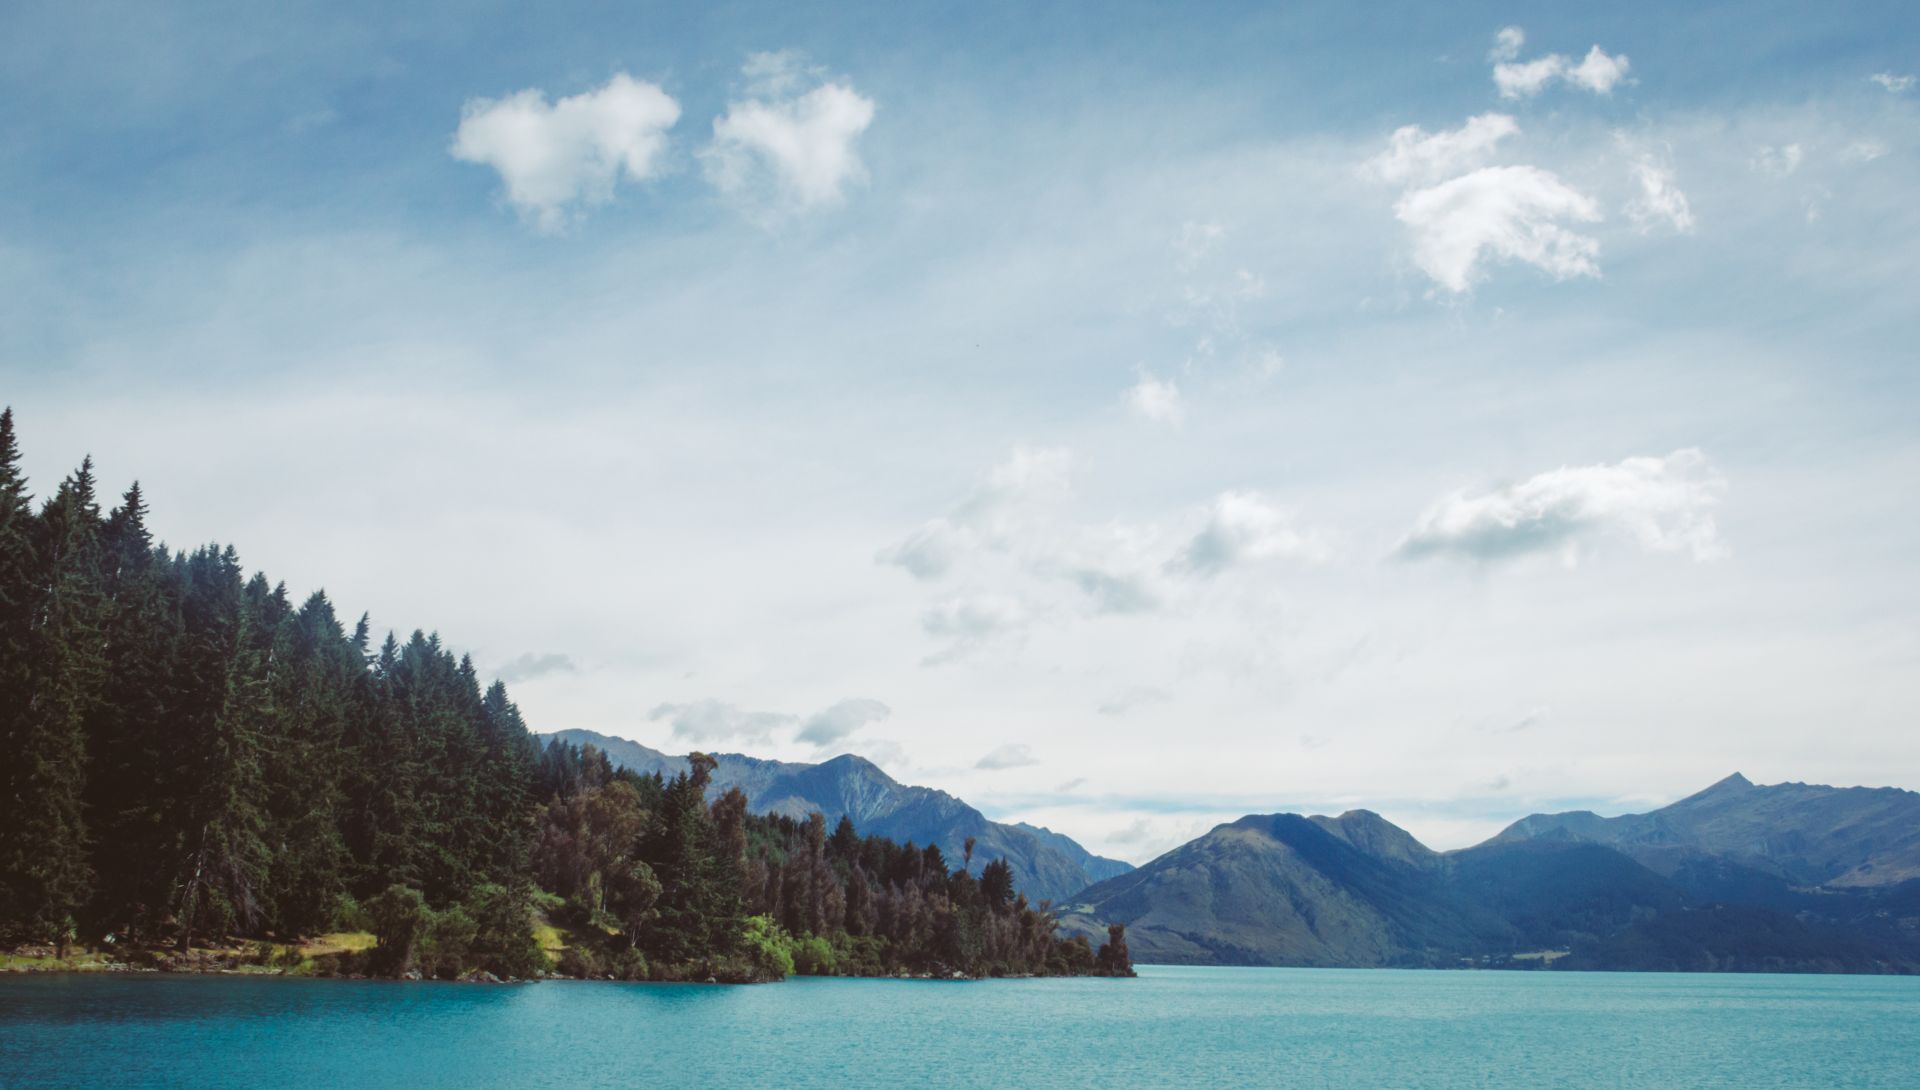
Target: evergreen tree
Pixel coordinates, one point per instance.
(220, 879)
(20, 598)
(129, 736)
(43, 843)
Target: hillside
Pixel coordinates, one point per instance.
(1809, 834)
(1356, 890)
(1046, 865)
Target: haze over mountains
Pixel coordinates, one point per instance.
(1046, 864)
(1791, 877)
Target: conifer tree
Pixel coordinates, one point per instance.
(43, 843)
(128, 737)
(220, 879)
(20, 598)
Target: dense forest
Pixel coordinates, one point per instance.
(188, 757)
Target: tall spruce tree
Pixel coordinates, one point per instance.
(129, 736)
(313, 700)
(43, 844)
(20, 598)
(220, 876)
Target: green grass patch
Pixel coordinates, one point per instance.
(79, 961)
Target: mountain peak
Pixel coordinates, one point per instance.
(1735, 782)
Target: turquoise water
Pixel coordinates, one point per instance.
(1174, 1027)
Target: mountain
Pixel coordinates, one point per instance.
(1046, 865)
(1812, 835)
(1098, 867)
(1356, 890)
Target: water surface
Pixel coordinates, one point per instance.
(1174, 1027)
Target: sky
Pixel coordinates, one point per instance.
(1125, 417)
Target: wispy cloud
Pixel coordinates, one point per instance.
(1012, 755)
(1660, 201)
(841, 720)
(989, 516)
(1138, 696)
(528, 665)
(706, 721)
(1157, 400)
(965, 622)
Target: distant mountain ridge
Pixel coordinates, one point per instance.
(1046, 865)
(1721, 880)
(1813, 835)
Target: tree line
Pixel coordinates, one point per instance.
(187, 755)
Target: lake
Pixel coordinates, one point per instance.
(1186, 1027)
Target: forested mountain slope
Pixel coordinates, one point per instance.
(1046, 865)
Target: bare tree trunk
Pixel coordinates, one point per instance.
(191, 894)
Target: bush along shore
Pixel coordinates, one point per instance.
(198, 773)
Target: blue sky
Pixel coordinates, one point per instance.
(1125, 417)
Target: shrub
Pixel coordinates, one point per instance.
(399, 915)
(813, 956)
(767, 947)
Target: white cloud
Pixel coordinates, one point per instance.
(1864, 151)
(1241, 527)
(1524, 79)
(703, 721)
(968, 621)
(833, 724)
(1507, 43)
(557, 159)
(1416, 156)
(528, 665)
(1012, 755)
(1660, 201)
(1660, 504)
(1137, 696)
(1117, 591)
(1499, 214)
(928, 552)
(1195, 241)
(1778, 162)
(1030, 477)
(1598, 71)
(781, 149)
(1894, 84)
(1157, 400)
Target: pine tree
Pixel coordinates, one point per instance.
(43, 844)
(220, 880)
(129, 796)
(312, 694)
(20, 598)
